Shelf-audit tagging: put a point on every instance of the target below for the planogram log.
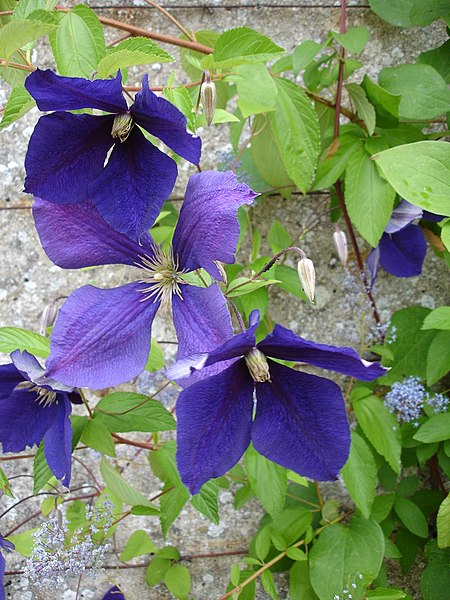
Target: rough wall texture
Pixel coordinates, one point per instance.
(28, 280)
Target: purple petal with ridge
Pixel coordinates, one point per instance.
(101, 337)
(402, 215)
(202, 322)
(76, 236)
(283, 343)
(301, 423)
(214, 419)
(58, 442)
(130, 191)
(402, 253)
(162, 119)
(53, 92)
(114, 594)
(10, 377)
(208, 228)
(64, 154)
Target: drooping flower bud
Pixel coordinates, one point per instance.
(307, 276)
(340, 243)
(48, 317)
(122, 126)
(257, 365)
(208, 98)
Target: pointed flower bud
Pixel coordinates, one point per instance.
(122, 126)
(48, 317)
(340, 243)
(208, 98)
(257, 365)
(307, 276)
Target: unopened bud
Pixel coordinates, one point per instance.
(222, 271)
(340, 243)
(208, 98)
(122, 126)
(257, 365)
(307, 276)
(48, 317)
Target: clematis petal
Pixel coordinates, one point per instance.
(53, 92)
(283, 343)
(114, 594)
(163, 120)
(65, 153)
(10, 377)
(23, 421)
(373, 262)
(402, 215)
(27, 364)
(234, 347)
(132, 188)
(202, 322)
(6, 545)
(214, 419)
(301, 423)
(76, 236)
(101, 337)
(58, 442)
(402, 253)
(2, 576)
(208, 227)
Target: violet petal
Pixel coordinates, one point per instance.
(402, 253)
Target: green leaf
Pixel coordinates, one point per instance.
(19, 32)
(206, 501)
(439, 318)
(132, 52)
(41, 471)
(438, 58)
(278, 237)
(121, 488)
(445, 234)
(14, 338)
(424, 94)
(157, 569)
(5, 488)
(438, 357)
(296, 554)
(342, 551)
(250, 286)
(381, 429)
(178, 581)
(424, 13)
(267, 480)
(155, 358)
(19, 103)
(269, 584)
(304, 53)
(23, 542)
(295, 127)
(435, 581)
(127, 411)
(382, 506)
(75, 47)
(243, 45)
(25, 7)
(288, 280)
(369, 198)
(335, 161)
(138, 543)
(411, 516)
(395, 12)
(443, 524)
(386, 104)
(435, 429)
(354, 39)
(95, 27)
(364, 108)
(97, 437)
(360, 475)
(300, 587)
(385, 594)
(257, 93)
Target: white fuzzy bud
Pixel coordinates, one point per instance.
(257, 365)
(122, 126)
(307, 276)
(340, 243)
(208, 98)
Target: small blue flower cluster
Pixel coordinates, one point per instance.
(228, 162)
(406, 399)
(439, 403)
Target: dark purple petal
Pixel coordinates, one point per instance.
(208, 228)
(134, 185)
(10, 377)
(429, 216)
(402, 215)
(53, 92)
(202, 322)
(283, 343)
(58, 442)
(163, 120)
(301, 423)
(235, 347)
(214, 419)
(23, 421)
(76, 236)
(373, 262)
(114, 594)
(65, 153)
(2, 576)
(101, 337)
(402, 253)
(6, 545)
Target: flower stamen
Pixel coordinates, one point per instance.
(162, 276)
(44, 397)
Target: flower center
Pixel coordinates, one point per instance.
(162, 276)
(122, 126)
(257, 365)
(44, 397)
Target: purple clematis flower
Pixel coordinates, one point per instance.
(402, 247)
(33, 408)
(5, 546)
(102, 337)
(113, 594)
(300, 420)
(65, 162)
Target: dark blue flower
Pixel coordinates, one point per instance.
(300, 420)
(65, 162)
(5, 546)
(35, 408)
(114, 594)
